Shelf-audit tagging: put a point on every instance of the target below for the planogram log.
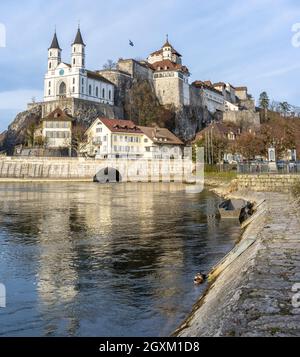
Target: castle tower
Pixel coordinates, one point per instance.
(54, 54)
(78, 51)
(167, 50)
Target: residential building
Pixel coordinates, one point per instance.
(56, 130)
(113, 138)
(160, 142)
(117, 138)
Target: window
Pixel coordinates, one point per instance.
(115, 137)
(82, 62)
(73, 80)
(145, 140)
(104, 138)
(50, 84)
(109, 95)
(98, 130)
(82, 90)
(82, 81)
(97, 92)
(50, 65)
(148, 149)
(73, 89)
(74, 49)
(103, 93)
(49, 93)
(73, 61)
(90, 90)
(50, 54)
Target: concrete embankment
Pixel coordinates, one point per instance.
(253, 295)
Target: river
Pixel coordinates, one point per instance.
(85, 259)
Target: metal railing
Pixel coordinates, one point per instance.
(261, 168)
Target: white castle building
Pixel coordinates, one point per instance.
(73, 80)
(171, 78)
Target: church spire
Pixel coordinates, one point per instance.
(78, 39)
(55, 44)
(167, 43)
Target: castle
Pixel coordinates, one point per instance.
(86, 94)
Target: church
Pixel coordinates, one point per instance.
(64, 80)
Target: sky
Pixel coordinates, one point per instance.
(242, 42)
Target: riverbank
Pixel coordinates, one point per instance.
(253, 295)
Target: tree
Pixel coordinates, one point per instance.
(110, 64)
(250, 145)
(29, 135)
(78, 136)
(284, 107)
(264, 101)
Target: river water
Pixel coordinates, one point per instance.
(84, 259)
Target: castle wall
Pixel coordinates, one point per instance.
(169, 90)
(247, 118)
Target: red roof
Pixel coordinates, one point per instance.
(167, 65)
(121, 126)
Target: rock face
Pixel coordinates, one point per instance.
(16, 132)
(189, 120)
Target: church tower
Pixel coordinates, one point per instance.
(78, 51)
(54, 54)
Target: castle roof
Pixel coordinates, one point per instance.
(78, 39)
(97, 76)
(54, 43)
(167, 65)
(58, 115)
(206, 85)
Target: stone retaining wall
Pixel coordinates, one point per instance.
(141, 170)
(267, 182)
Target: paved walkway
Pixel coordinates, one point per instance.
(253, 296)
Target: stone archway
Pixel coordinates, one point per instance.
(108, 175)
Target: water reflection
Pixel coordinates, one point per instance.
(104, 260)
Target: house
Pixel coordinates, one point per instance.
(55, 130)
(113, 138)
(219, 130)
(118, 138)
(160, 142)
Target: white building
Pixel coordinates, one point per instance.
(160, 143)
(111, 138)
(212, 98)
(117, 138)
(64, 80)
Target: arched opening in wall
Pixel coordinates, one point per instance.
(62, 88)
(108, 175)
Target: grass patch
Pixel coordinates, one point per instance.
(224, 176)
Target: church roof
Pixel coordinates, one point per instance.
(55, 44)
(78, 39)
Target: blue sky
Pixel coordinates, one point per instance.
(243, 42)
